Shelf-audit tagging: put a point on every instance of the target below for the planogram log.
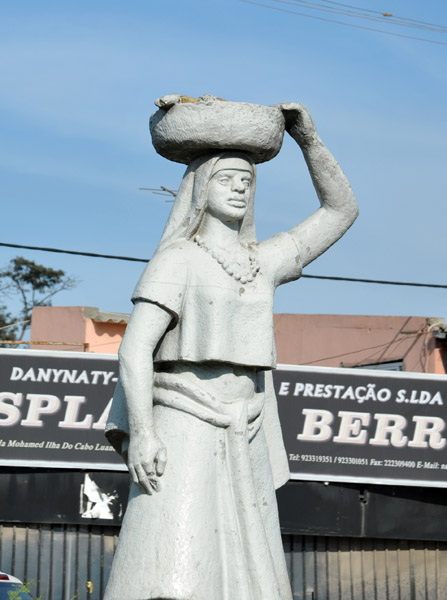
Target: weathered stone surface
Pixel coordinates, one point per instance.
(194, 414)
(188, 130)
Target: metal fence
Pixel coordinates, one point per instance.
(66, 562)
(329, 568)
(60, 562)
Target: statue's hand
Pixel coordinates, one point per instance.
(146, 460)
(299, 123)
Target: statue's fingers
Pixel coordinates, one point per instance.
(133, 474)
(143, 480)
(154, 482)
(148, 467)
(160, 461)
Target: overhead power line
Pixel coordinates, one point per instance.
(145, 260)
(378, 12)
(359, 350)
(379, 281)
(75, 252)
(364, 27)
(373, 15)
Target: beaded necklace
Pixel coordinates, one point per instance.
(232, 268)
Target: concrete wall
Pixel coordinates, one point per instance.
(77, 328)
(351, 340)
(317, 340)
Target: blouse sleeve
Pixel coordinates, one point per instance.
(279, 256)
(164, 281)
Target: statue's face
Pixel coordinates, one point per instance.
(229, 189)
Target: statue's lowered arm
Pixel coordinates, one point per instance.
(338, 208)
(146, 455)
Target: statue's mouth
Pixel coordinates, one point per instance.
(237, 202)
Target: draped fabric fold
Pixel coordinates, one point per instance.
(233, 492)
(178, 392)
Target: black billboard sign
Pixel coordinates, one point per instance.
(63, 496)
(347, 425)
(356, 425)
(53, 409)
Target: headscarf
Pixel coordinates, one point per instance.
(191, 201)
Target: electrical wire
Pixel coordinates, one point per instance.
(380, 281)
(386, 18)
(146, 260)
(361, 350)
(378, 12)
(294, 12)
(76, 253)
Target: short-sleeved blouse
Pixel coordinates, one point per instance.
(215, 317)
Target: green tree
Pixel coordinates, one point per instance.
(8, 331)
(34, 285)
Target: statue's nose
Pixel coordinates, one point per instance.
(238, 185)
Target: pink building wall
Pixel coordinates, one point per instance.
(77, 328)
(316, 340)
(351, 340)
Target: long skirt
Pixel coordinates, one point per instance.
(212, 531)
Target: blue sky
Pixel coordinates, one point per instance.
(78, 81)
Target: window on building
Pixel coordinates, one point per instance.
(396, 365)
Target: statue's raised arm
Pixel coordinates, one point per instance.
(338, 209)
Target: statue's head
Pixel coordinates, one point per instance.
(228, 180)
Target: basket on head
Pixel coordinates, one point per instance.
(186, 130)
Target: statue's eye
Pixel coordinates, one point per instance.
(246, 183)
(224, 180)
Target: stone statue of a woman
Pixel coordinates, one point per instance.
(195, 413)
